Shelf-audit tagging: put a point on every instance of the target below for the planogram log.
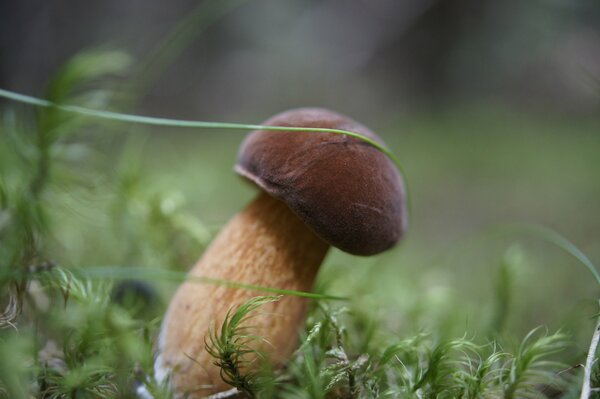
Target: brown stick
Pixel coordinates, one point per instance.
(265, 244)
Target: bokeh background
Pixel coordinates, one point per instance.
(492, 107)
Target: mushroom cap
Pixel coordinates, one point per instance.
(348, 192)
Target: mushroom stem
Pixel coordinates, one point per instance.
(265, 244)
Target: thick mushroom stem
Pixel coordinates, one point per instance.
(265, 244)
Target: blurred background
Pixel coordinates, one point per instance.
(492, 107)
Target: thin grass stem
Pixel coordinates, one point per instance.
(560, 241)
(155, 274)
(586, 388)
(155, 121)
(179, 38)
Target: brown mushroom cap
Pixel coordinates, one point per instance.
(347, 191)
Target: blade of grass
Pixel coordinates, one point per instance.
(566, 245)
(179, 38)
(553, 237)
(531, 229)
(142, 273)
(586, 388)
(149, 120)
(117, 272)
(563, 243)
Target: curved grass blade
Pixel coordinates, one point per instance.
(530, 229)
(555, 238)
(563, 243)
(149, 120)
(179, 38)
(143, 273)
(586, 387)
(117, 272)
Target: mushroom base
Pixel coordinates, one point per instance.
(265, 244)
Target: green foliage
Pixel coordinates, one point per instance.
(141, 209)
(36, 165)
(423, 366)
(234, 348)
(63, 335)
(83, 344)
(530, 366)
(60, 336)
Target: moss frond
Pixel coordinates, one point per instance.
(234, 348)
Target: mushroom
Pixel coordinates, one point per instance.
(317, 190)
